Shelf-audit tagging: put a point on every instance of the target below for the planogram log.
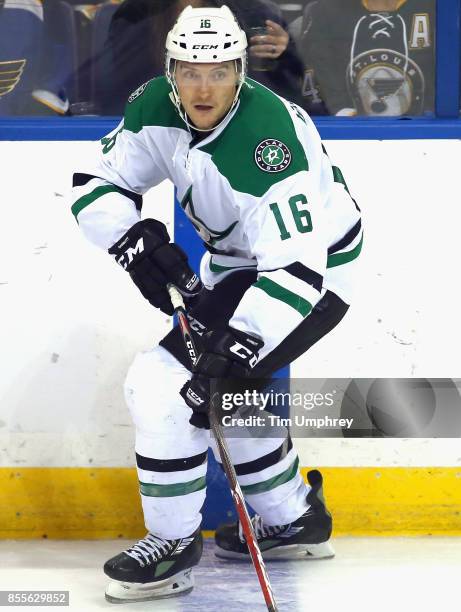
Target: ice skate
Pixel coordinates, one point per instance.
(305, 538)
(153, 568)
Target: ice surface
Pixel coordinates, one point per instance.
(367, 575)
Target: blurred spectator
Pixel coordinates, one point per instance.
(282, 68)
(21, 35)
(37, 57)
(136, 41)
(134, 50)
(56, 87)
(369, 57)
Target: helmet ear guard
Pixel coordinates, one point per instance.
(205, 35)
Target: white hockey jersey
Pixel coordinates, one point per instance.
(260, 190)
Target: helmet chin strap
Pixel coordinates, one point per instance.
(182, 113)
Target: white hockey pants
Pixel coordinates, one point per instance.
(171, 455)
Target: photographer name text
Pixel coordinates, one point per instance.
(300, 420)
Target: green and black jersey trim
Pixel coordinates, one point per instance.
(277, 292)
(88, 199)
(80, 179)
(299, 270)
(337, 259)
(338, 177)
(216, 268)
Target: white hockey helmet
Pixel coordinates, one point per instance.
(205, 35)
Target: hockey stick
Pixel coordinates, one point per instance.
(236, 491)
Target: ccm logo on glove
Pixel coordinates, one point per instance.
(228, 353)
(194, 398)
(128, 256)
(244, 353)
(152, 261)
(191, 284)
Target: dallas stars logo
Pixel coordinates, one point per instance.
(272, 155)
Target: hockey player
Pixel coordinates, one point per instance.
(282, 236)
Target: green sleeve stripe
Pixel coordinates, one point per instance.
(337, 259)
(172, 490)
(271, 483)
(339, 178)
(217, 268)
(278, 292)
(86, 200)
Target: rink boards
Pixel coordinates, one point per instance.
(72, 323)
(91, 503)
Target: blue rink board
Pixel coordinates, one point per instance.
(330, 128)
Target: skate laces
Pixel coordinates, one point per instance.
(150, 547)
(261, 530)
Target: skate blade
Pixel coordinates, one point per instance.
(125, 592)
(290, 552)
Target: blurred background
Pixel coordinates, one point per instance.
(334, 57)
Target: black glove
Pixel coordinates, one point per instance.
(152, 261)
(228, 353)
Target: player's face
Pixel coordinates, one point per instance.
(206, 91)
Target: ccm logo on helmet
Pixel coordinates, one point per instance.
(204, 46)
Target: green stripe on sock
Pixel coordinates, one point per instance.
(85, 200)
(172, 490)
(278, 292)
(276, 481)
(338, 259)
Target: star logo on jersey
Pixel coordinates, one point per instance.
(207, 234)
(272, 155)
